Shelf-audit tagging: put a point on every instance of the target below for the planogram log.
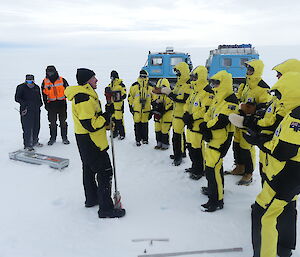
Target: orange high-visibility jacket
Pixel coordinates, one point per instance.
(54, 91)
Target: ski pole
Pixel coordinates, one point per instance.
(117, 195)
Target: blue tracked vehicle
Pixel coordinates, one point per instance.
(160, 64)
(231, 58)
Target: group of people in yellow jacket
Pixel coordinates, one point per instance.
(274, 127)
(213, 115)
(253, 116)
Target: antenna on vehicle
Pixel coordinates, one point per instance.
(169, 49)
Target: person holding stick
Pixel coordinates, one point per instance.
(90, 131)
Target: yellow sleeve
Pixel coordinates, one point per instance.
(131, 95)
(86, 111)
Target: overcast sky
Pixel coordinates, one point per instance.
(186, 23)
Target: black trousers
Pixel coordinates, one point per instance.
(243, 156)
(177, 145)
(30, 121)
(97, 173)
(60, 113)
(196, 157)
(119, 128)
(141, 131)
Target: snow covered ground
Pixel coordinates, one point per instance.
(42, 210)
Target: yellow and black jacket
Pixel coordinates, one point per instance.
(197, 104)
(87, 114)
(276, 110)
(117, 85)
(139, 99)
(200, 98)
(165, 106)
(255, 90)
(182, 89)
(288, 88)
(224, 103)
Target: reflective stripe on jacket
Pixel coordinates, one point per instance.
(54, 91)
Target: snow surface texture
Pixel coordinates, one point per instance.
(43, 213)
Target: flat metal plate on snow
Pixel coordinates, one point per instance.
(37, 158)
(225, 250)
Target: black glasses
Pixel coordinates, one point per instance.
(177, 72)
(249, 68)
(214, 82)
(193, 76)
(278, 75)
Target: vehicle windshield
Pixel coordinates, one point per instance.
(176, 60)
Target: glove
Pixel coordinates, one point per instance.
(255, 138)
(205, 131)
(166, 90)
(250, 121)
(109, 111)
(188, 120)
(131, 109)
(109, 108)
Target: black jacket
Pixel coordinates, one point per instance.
(28, 98)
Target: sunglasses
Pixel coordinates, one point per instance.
(143, 76)
(29, 81)
(193, 76)
(278, 75)
(214, 82)
(249, 68)
(177, 72)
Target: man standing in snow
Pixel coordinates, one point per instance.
(90, 132)
(53, 88)
(116, 85)
(139, 100)
(28, 95)
(179, 95)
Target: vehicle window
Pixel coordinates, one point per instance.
(242, 61)
(227, 62)
(176, 60)
(156, 61)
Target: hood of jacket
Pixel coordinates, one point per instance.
(258, 66)
(201, 81)
(225, 89)
(184, 72)
(71, 91)
(289, 87)
(143, 81)
(287, 66)
(163, 83)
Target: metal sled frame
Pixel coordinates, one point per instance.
(37, 158)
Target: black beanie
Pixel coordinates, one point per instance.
(83, 75)
(114, 74)
(143, 73)
(50, 68)
(29, 77)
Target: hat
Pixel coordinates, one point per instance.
(83, 75)
(29, 77)
(114, 74)
(143, 73)
(50, 68)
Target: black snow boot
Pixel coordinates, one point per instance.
(53, 134)
(113, 213)
(64, 132)
(212, 206)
